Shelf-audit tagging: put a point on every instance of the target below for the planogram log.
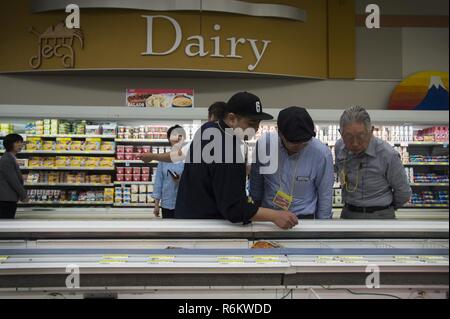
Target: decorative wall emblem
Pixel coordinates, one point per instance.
(57, 41)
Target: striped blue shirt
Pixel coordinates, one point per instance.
(166, 188)
(309, 174)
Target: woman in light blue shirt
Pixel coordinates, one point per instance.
(167, 179)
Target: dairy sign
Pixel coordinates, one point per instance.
(198, 46)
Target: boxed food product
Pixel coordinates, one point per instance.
(129, 149)
(93, 130)
(145, 178)
(77, 146)
(62, 161)
(120, 177)
(92, 144)
(106, 162)
(142, 189)
(128, 170)
(134, 189)
(109, 129)
(128, 177)
(120, 170)
(105, 179)
(136, 170)
(121, 156)
(143, 198)
(134, 198)
(49, 162)
(107, 147)
(120, 148)
(63, 143)
(136, 177)
(108, 195)
(129, 156)
(48, 146)
(34, 144)
(92, 162)
(76, 161)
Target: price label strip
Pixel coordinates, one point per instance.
(230, 260)
(114, 259)
(405, 259)
(160, 259)
(352, 259)
(433, 259)
(267, 259)
(3, 259)
(325, 260)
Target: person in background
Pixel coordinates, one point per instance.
(11, 181)
(167, 179)
(215, 113)
(373, 179)
(304, 180)
(216, 189)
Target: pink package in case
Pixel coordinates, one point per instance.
(145, 178)
(128, 170)
(139, 150)
(145, 170)
(137, 156)
(120, 170)
(129, 149)
(136, 170)
(120, 177)
(136, 177)
(120, 148)
(129, 156)
(120, 156)
(128, 177)
(146, 149)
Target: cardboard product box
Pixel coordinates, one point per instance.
(134, 189)
(143, 198)
(108, 194)
(142, 189)
(134, 198)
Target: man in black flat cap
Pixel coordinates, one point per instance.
(304, 180)
(213, 184)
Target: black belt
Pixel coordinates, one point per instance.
(367, 210)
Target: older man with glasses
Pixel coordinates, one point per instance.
(372, 176)
(303, 182)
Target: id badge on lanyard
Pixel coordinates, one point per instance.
(283, 200)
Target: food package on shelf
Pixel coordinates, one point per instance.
(134, 198)
(108, 195)
(61, 161)
(142, 189)
(91, 162)
(109, 129)
(76, 161)
(77, 146)
(106, 162)
(134, 189)
(53, 178)
(92, 144)
(34, 144)
(105, 179)
(143, 198)
(79, 128)
(107, 147)
(63, 143)
(93, 130)
(94, 179)
(49, 162)
(48, 146)
(33, 178)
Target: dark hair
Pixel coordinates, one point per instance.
(217, 109)
(10, 140)
(176, 127)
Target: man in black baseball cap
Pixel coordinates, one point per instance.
(304, 180)
(213, 184)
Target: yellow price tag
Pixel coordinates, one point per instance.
(405, 259)
(432, 259)
(325, 259)
(267, 259)
(230, 259)
(158, 259)
(352, 259)
(114, 259)
(3, 259)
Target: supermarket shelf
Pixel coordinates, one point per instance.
(68, 185)
(200, 113)
(426, 206)
(96, 203)
(133, 205)
(120, 140)
(131, 162)
(70, 135)
(430, 184)
(421, 143)
(37, 168)
(427, 164)
(68, 153)
(134, 183)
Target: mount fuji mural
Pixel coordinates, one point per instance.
(422, 91)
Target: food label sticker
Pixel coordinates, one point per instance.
(283, 200)
(230, 259)
(3, 259)
(352, 259)
(158, 259)
(432, 259)
(405, 259)
(267, 259)
(325, 259)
